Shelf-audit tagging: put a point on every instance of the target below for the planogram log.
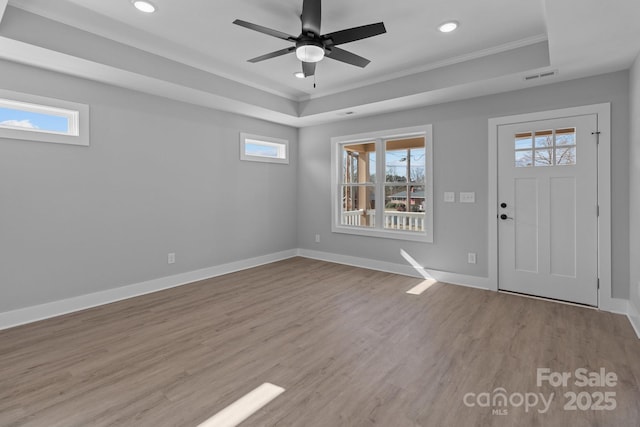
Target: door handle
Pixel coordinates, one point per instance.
(505, 217)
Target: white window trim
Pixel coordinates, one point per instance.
(337, 142)
(77, 114)
(281, 144)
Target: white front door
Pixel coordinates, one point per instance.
(547, 213)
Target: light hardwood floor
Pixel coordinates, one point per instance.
(350, 347)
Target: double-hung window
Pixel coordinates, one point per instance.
(382, 184)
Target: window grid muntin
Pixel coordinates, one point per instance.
(338, 142)
(381, 187)
(551, 148)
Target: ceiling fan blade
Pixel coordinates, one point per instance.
(311, 16)
(347, 57)
(309, 68)
(356, 33)
(273, 54)
(264, 30)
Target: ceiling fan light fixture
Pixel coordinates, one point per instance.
(311, 46)
(448, 27)
(144, 6)
(310, 53)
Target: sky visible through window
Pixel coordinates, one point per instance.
(261, 150)
(396, 162)
(13, 118)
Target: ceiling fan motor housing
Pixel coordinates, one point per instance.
(310, 49)
(310, 46)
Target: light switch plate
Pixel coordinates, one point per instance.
(449, 196)
(469, 197)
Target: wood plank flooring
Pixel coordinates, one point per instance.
(350, 347)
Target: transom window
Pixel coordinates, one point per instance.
(257, 148)
(552, 147)
(383, 184)
(36, 118)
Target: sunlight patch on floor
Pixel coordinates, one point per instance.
(421, 287)
(244, 407)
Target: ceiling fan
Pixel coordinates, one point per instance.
(310, 46)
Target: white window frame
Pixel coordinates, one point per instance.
(379, 137)
(76, 114)
(281, 144)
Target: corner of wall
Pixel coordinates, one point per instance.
(634, 195)
(634, 317)
(3, 7)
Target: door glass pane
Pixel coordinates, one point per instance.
(543, 158)
(359, 163)
(523, 140)
(358, 205)
(524, 159)
(566, 136)
(543, 138)
(566, 156)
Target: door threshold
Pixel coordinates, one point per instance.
(575, 304)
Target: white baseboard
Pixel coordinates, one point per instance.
(404, 269)
(634, 317)
(614, 305)
(56, 308)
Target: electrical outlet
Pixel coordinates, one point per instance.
(171, 258)
(317, 238)
(449, 196)
(471, 257)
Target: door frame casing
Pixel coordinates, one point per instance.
(603, 114)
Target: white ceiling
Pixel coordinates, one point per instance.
(497, 44)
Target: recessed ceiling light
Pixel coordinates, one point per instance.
(299, 74)
(447, 27)
(144, 6)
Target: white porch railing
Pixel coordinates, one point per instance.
(398, 220)
(394, 220)
(357, 217)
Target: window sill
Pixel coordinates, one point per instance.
(385, 234)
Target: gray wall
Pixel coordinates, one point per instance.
(460, 164)
(163, 176)
(634, 190)
(160, 176)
